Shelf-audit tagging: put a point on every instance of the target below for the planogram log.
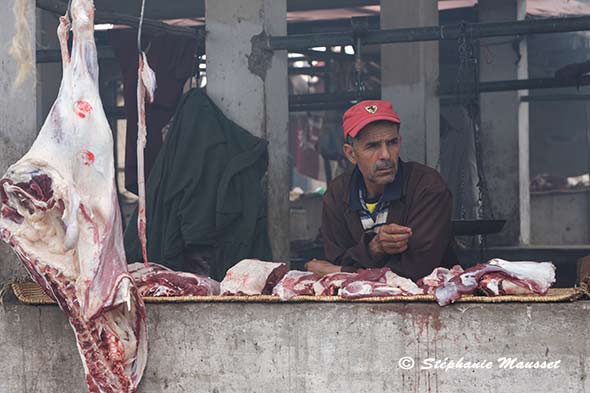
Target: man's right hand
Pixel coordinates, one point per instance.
(390, 239)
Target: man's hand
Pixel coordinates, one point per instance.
(390, 239)
(321, 268)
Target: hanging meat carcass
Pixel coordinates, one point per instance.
(59, 213)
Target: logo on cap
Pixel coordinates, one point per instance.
(371, 108)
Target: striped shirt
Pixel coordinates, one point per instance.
(373, 213)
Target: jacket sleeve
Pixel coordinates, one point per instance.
(339, 245)
(430, 220)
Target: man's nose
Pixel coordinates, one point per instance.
(384, 153)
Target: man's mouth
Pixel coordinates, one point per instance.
(384, 170)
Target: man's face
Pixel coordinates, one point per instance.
(376, 151)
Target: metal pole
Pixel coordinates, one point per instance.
(587, 112)
(432, 33)
(511, 85)
(150, 25)
(302, 99)
(448, 94)
(555, 97)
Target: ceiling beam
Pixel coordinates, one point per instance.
(107, 16)
(191, 9)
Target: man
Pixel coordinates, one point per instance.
(386, 212)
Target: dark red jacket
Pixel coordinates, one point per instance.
(425, 206)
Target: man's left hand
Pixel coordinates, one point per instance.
(321, 268)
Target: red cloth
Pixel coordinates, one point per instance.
(366, 112)
(172, 59)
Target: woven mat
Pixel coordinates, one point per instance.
(31, 293)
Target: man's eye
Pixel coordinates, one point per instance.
(392, 142)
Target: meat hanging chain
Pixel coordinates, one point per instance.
(146, 86)
(59, 213)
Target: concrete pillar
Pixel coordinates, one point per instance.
(18, 127)
(504, 125)
(409, 78)
(250, 85)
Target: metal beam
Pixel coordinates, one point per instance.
(432, 33)
(194, 9)
(307, 70)
(555, 97)
(102, 16)
(512, 85)
(349, 96)
(312, 102)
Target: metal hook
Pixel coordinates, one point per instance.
(360, 27)
(140, 26)
(69, 10)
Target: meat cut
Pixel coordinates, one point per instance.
(536, 277)
(253, 277)
(330, 284)
(295, 283)
(377, 283)
(158, 280)
(59, 213)
(437, 278)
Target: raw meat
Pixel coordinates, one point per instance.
(496, 284)
(536, 276)
(59, 213)
(407, 286)
(295, 283)
(331, 283)
(361, 289)
(437, 278)
(378, 282)
(253, 277)
(157, 280)
(146, 86)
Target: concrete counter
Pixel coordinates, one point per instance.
(318, 347)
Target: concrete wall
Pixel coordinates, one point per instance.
(246, 348)
(560, 218)
(18, 121)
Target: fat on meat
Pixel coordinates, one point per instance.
(253, 277)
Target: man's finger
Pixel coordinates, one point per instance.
(395, 229)
(394, 244)
(388, 237)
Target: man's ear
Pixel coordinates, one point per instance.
(349, 152)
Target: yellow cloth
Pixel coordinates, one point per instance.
(371, 207)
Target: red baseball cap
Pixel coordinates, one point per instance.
(366, 112)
